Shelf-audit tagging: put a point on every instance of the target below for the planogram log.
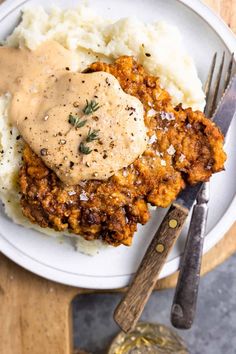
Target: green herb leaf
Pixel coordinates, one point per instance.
(84, 149)
(76, 121)
(90, 107)
(81, 123)
(72, 120)
(92, 135)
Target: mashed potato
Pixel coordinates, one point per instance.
(92, 38)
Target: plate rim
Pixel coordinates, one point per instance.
(119, 281)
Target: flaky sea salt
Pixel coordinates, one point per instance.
(182, 157)
(83, 196)
(171, 150)
(152, 112)
(167, 115)
(125, 173)
(71, 193)
(163, 163)
(152, 139)
(82, 183)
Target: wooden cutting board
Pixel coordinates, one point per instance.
(35, 313)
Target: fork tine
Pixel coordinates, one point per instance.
(208, 83)
(229, 71)
(217, 87)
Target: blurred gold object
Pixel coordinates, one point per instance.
(148, 338)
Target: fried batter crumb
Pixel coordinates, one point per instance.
(184, 147)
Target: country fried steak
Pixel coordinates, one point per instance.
(184, 147)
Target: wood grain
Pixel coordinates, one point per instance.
(225, 9)
(131, 306)
(35, 313)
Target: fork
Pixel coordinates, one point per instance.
(185, 298)
(129, 310)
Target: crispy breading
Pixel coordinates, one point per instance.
(184, 147)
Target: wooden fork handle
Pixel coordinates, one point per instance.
(131, 306)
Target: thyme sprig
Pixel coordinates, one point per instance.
(91, 107)
(84, 149)
(92, 135)
(76, 121)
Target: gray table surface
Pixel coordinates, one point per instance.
(214, 330)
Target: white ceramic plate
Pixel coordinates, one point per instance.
(204, 34)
